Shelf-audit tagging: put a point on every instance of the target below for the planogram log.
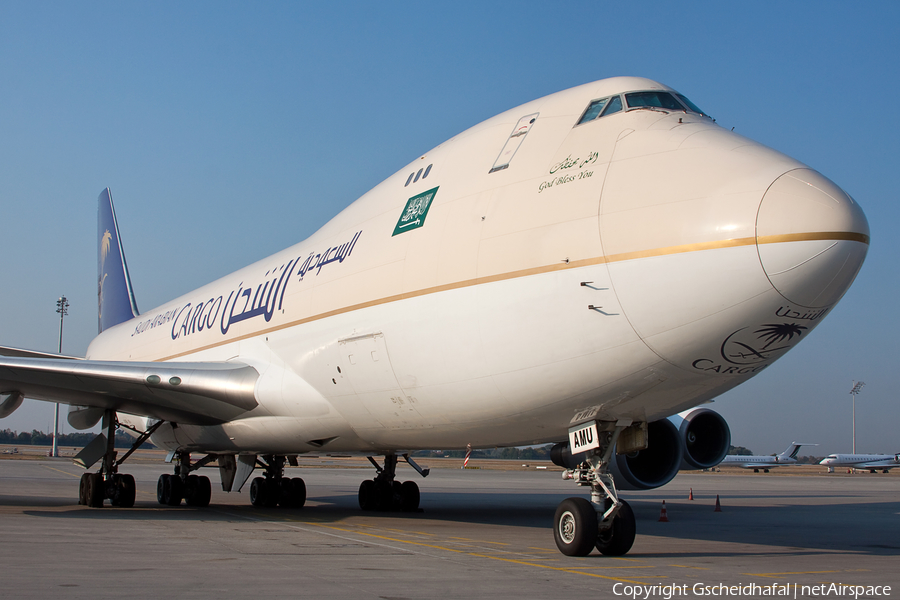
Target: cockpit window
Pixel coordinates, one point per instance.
(614, 106)
(593, 110)
(597, 109)
(663, 100)
(693, 107)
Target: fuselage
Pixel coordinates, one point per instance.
(759, 462)
(536, 270)
(862, 461)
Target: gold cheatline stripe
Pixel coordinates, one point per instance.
(575, 264)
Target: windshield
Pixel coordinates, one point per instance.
(691, 105)
(653, 100)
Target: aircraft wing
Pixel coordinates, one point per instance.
(188, 393)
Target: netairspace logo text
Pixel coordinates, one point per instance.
(754, 590)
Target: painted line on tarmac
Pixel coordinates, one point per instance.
(61, 471)
(419, 544)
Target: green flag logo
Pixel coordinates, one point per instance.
(415, 211)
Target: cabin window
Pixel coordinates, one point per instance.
(417, 175)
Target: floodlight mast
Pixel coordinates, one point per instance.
(62, 307)
(857, 386)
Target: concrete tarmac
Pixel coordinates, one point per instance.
(483, 533)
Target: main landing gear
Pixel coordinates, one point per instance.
(108, 483)
(384, 493)
(195, 490)
(606, 522)
(274, 489)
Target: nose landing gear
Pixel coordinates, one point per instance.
(606, 522)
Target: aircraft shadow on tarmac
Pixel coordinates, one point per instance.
(859, 528)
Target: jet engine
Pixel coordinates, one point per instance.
(645, 469)
(654, 466)
(705, 437)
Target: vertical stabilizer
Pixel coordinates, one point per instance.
(114, 294)
(794, 448)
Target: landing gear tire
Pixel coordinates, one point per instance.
(83, 489)
(367, 497)
(575, 527)
(293, 493)
(169, 490)
(197, 491)
(618, 539)
(95, 488)
(409, 496)
(263, 494)
(124, 491)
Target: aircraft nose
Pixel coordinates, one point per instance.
(812, 238)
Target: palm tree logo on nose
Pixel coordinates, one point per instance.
(743, 347)
(777, 333)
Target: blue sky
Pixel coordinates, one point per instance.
(228, 131)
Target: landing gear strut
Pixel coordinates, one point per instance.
(384, 493)
(274, 489)
(195, 490)
(119, 488)
(606, 522)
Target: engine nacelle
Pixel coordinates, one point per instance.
(646, 469)
(654, 466)
(705, 437)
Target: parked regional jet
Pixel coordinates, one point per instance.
(788, 457)
(872, 462)
(574, 270)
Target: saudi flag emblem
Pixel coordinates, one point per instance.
(415, 211)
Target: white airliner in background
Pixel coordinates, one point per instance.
(575, 270)
(788, 457)
(872, 462)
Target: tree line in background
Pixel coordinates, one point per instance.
(77, 440)
(531, 453)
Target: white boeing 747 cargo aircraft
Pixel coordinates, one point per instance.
(575, 270)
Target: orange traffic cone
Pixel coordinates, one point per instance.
(691, 496)
(663, 517)
(718, 505)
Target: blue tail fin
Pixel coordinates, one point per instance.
(114, 294)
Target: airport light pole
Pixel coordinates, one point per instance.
(62, 307)
(857, 386)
